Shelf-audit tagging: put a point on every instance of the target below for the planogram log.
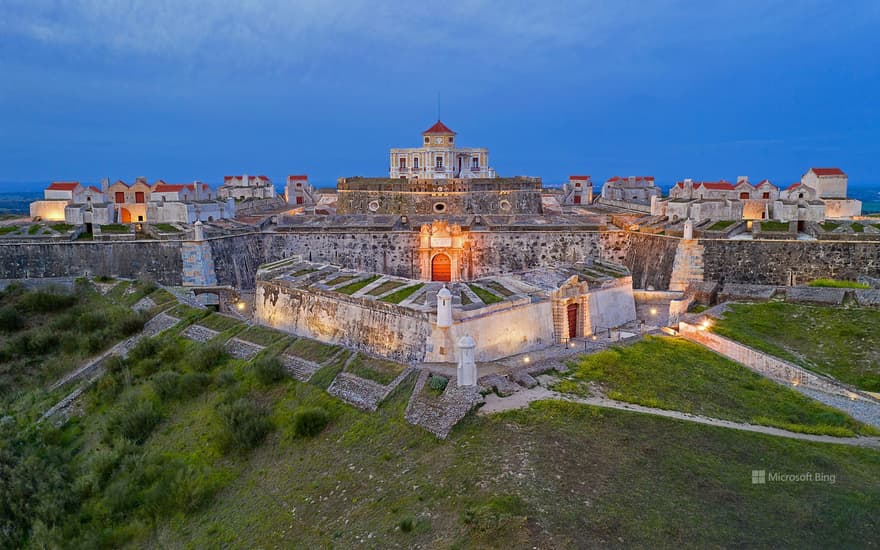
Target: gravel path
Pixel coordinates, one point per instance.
(860, 409)
(523, 397)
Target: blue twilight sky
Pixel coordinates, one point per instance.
(194, 90)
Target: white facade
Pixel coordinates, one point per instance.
(299, 191)
(439, 158)
(246, 187)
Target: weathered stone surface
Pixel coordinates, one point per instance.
(868, 297)
(439, 415)
(144, 304)
(815, 295)
(498, 383)
(788, 262)
(363, 394)
(198, 333)
(159, 323)
(241, 349)
(746, 293)
(524, 379)
(299, 368)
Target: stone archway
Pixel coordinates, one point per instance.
(441, 268)
(125, 215)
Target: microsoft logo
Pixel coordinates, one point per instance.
(759, 477)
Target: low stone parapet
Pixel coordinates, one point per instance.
(815, 295)
(867, 297)
(299, 368)
(241, 349)
(363, 394)
(746, 293)
(198, 333)
(440, 414)
(766, 365)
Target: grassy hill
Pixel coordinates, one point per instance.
(181, 445)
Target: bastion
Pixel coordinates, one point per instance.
(399, 318)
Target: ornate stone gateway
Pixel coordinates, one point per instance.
(441, 250)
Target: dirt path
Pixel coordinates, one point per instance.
(522, 398)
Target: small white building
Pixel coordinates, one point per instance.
(632, 189)
(578, 190)
(246, 187)
(298, 191)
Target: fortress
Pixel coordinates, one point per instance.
(443, 248)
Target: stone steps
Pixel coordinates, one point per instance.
(354, 390)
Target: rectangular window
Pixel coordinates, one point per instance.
(402, 163)
(120, 197)
(139, 196)
(299, 200)
(766, 195)
(438, 163)
(475, 163)
(743, 196)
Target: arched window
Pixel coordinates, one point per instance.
(415, 163)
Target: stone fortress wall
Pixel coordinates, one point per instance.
(447, 196)
(650, 258)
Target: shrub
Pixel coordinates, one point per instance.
(130, 324)
(406, 524)
(193, 383)
(10, 319)
(90, 321)
(309, 422)
(166, 383)
(135, 419)
(43, 301)
(269, 370)
(246, 423)
(145, 348)
(225, 379)
(207, 357)
(437, 383)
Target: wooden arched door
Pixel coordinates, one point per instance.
(441, 268)
(125, 216)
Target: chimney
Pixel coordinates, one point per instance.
(105, 185)
(196, 190)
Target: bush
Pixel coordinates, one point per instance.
(437, 383)
(193, 383)
(10, 319)
(130, 324)
(165, 385)
(135, 419)
(145, 348)
(246, 423)
(42, 301)
(269, 370)
(310, 421)
(207, 357)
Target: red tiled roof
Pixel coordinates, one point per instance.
(95, 189)
(63, 185)
(438, 128)
(169, 188)
(227, 178)
(793, 185)
(580, 178)
(821, 172)
(635, 178)
(298, 177)
(264, 178)
(719, 185)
